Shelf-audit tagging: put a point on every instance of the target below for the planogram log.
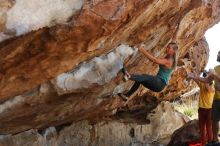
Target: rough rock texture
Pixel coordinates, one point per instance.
(30, 60)
(68, 70)
(114, 133)
(5, 6)
(189, 132)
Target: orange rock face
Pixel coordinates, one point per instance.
(71, 72)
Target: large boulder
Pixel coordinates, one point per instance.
(153, 129)
(60, 61)
(187, 133)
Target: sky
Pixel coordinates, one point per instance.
(213, 38)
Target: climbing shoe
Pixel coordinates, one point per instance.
(126, 74)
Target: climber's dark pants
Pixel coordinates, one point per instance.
(153, 83)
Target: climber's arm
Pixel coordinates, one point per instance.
(161, 61)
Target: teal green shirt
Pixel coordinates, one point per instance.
(164, 73)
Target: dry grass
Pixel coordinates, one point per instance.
(188, 105)
(191, 112)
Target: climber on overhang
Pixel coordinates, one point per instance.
(158, 82)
